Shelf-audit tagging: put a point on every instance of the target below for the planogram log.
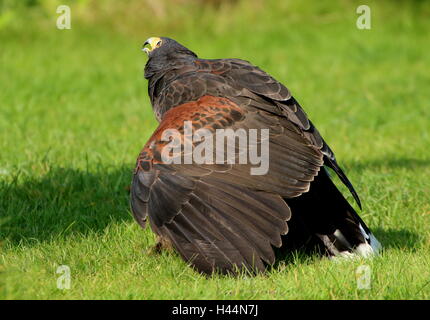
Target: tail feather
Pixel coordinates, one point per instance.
(324, 217)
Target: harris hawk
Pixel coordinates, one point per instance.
(218, 215)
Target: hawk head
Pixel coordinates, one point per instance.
(163, 47)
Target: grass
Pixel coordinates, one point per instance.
(74, 114)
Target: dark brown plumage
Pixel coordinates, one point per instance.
(219, 216)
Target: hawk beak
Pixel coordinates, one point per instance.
(151, 44)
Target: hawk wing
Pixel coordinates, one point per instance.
(259, 82)
(219, 216)
(235, 77)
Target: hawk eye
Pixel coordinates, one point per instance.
(158, 43)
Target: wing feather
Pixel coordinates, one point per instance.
(219, 216)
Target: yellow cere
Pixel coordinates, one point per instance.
(153, 42)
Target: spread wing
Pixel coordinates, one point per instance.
(261, 83)
(235, 77)
(218, 215)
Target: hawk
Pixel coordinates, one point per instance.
(217, 214)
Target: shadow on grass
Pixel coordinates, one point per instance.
(63, 203)
(397, 238)
(388, 162)
(69, 202)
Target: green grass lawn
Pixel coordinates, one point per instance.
(74, 114)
